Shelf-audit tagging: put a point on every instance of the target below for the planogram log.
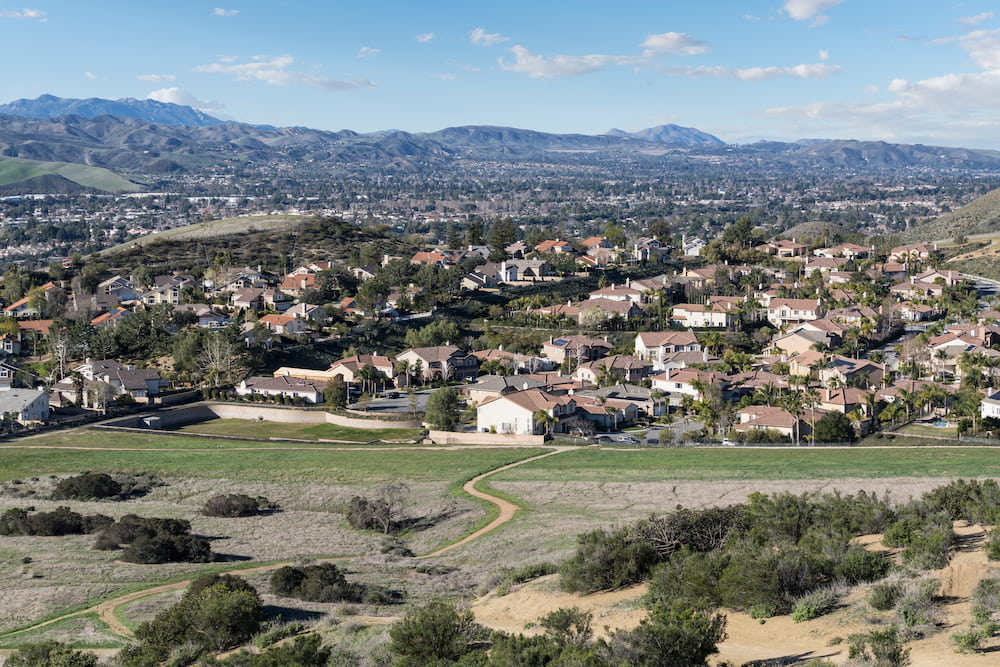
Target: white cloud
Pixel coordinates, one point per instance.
(425, 37)
(750, 17)
(218, 11)
(871, 89)
(90, 75)
(824, 54)
(983, 46)
(972, 22)
(480, 37)
(23, 14)
(813, 71)
(157, 77)
(182, 97)
(670, 43)
(803, 10)
(558, 66)
(366, 51)
(274, 71)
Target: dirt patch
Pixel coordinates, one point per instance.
(520, 610)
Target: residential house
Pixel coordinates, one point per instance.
(915, 252)
(764, 418)
(528, 269)
(284, 325)
(824, 264)
(700, 316)
(654, 346)
(781, 312)
(784, 249)
(111, 318)
(618, 367)
(142, 384)
(686, 381)
(207, 318)
(649, 402)
(29, 306)
(846, 250)
(494, 386)
(850, 372)
(10, 344)
(306, 390)
(610, 308)
(516, 412)
(120, 288)
(579, 348)
(25, 405)
(556, 246)
(692, 247)
(348, 367)
(308, 312)
(440, 362)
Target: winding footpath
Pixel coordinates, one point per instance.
(107, 611)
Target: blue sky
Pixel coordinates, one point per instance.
(913, 71)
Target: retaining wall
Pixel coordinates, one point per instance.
(473, 438)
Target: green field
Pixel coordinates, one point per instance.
(258, 463)
(650, 465)
(252, 429)
(13, 170)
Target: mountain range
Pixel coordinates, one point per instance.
(175, 138)
(50, 106)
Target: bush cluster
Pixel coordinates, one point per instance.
(154, 540)
(88, 486)
(235, 505)
(60, 521)
(761, 557)
(326, 583)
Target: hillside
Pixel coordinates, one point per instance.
(981, 216)
(275, 242)
(19, 176)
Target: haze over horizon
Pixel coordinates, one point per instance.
(913, 72)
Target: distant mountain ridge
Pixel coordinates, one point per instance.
(670, 134)
(152, 111)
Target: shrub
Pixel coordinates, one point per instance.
(860, 565)
(969, 641)
(815, 604)
(689, 577)
(87, 486)
(605, 561)
(986, 594)
(993, 545)
(766, 579)
(884, 596)
(928, 552)
(52, 653)
(231, 505)
(325, 583)
(61, 521)
(916, 608)
(671, 636)
(168, 549)
(211, 617)
(901, 533)
(437, 633)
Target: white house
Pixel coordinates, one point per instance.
(311, 391)
(515, 412)
(25, 405)
(654, 346)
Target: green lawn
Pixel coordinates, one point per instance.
(374, 465)
(925, 429)
(247, 428)
(649, 465)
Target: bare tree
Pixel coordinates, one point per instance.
(383, 511)
(222, 361)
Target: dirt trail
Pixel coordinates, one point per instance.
(507, 508)
(106, 610)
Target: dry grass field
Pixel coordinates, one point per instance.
(563, 495)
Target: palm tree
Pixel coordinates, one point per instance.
(545, 420)
(403, 371)
(906, 399)
(794, 403)
(766, 394)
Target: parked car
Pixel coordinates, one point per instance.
(627, 439)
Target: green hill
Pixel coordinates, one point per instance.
(16, 170)
(980, 216)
